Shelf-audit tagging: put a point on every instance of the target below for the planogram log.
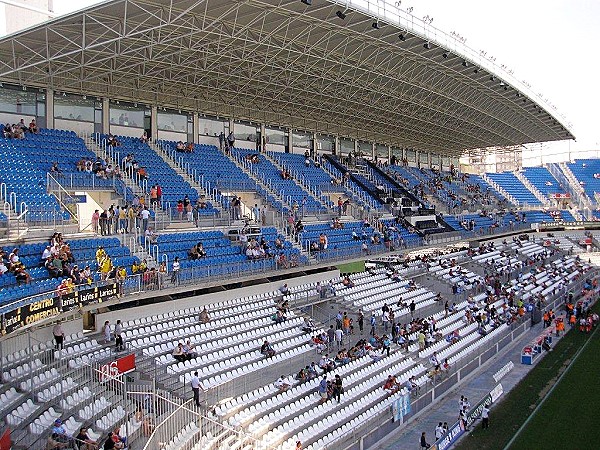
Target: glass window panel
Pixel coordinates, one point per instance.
(74, 107)
(346, 146)
(275, 136)
(381, 151)
(397, 152)
(245, 132)
(167, 121)
(411, 155)
(125, 115)
(210, 126)
(325, 142)
(18, 101)
(301, 139)
(365, 148)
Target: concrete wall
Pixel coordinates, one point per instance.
(74, 125)
(172, 136)
(209, 140)
(126, 131)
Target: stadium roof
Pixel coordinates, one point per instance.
(282, 62)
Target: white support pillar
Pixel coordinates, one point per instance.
(154, 123)
(195, 126)
(105, 115)
(49, 108)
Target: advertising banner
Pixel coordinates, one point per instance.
(29, 314)
(446, 441)
(54, 305)
(116, 368)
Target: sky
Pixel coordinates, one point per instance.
(548, 43)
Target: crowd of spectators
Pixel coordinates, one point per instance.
(18, 130)
(10, 263)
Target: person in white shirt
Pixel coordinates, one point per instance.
(3, 268)
(434, 359)
(46, 253)
(439, 431)
(485, 417)
(282, 384)
(175, 271)
(59, 336)
(195, 383)
(339, 336)
(145, 215)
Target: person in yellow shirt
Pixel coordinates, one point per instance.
(105, 267)
(143, 266)
(100, 253)
(122, 220)
(135, 268)
(131, 216)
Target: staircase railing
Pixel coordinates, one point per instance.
(65, 199)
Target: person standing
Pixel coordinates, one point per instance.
(119, 336)
(196, 388)
(330, 336)
(485, 417)
(231, 139)
(424, 444)
(339, 336)
(337, 387)
(175, 271)
(413, 306)
(106, 332)
(373, 324)
(59, 336)
(439, 431)
(361, 320)
(145, 215)
(256, 213)
(323, 389)
(221, 141)
(95, 221)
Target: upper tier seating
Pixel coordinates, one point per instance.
(586, 170)
(543, 180)
(270, 175)
(26, 162)
(511, 184)
(212, 169)
(174, 187)
(313, 176)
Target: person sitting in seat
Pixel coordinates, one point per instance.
(200, 250)
(84, 441)
(326, 363)
(33, 127)
(189, 148)
(179, 354)
(347, 282)
(204, 317)
(193, 253)
(180, 146)
(22, 276)
(391, 384)
(267, 350)
(308, 325)
(282, 384)
(189, 350)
